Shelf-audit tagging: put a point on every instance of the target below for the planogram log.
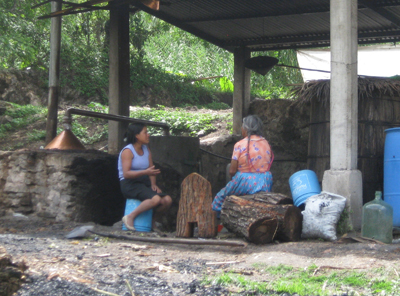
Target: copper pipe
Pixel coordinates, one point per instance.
(67, 120)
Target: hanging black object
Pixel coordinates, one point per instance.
(261, 64)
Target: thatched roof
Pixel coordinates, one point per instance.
(367, 88)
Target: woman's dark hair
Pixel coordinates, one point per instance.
(132, 131)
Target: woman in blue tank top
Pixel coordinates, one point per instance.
(137, 176)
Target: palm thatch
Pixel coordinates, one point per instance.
(367, 88)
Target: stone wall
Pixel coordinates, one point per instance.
(61, 185)
(83, 186)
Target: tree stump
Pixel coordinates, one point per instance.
(260, 222)
(195, 208)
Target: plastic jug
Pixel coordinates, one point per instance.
(377, 220)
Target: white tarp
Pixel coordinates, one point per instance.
(377, 60)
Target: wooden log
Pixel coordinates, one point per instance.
(260, 222)
(195, 208)
(163, 240)
(269, 197)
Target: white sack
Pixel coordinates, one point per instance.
(321, 214)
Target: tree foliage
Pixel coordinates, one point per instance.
(23, 38)
(162, 56)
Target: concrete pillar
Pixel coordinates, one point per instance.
(54, 73)
(343, 178)
(119, 75)
(241, 92)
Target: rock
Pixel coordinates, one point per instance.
(11, 274)
(5, 119)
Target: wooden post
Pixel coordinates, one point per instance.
(54, 73)
(119, 75)
(241, 92)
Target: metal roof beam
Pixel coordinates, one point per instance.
(257, 15)
(323, 38)
(318, 44)
(302, 10)
(382, 11)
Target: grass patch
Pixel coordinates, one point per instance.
(21, 116)
(180, 121)
(279, 270)
(344, 225)
(310, 281)
(36, 135)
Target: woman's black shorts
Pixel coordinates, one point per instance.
(139, 188)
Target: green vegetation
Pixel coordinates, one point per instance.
(180, 121)
(163, 58)
(344, 225)
(20, 117)
(91, 130)
(165, 62)
(311, 281)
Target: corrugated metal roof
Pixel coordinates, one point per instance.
(271, 24)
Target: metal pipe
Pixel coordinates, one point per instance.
(67, 120)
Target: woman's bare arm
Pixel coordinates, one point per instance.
(153, 177)
(233, 168)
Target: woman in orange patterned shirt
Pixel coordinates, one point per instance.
(251, 161)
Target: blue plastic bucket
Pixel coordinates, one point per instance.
(303, 184)
(143, 222)
(391, 172)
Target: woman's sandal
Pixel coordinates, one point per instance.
(125, 221)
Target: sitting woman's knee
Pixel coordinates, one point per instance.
(156, 200)
(166, 200)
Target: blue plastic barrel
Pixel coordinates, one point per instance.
(391, 172)
(143, 222)
(303, 184)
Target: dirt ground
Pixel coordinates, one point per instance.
(85, 266)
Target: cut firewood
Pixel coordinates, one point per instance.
(261, 222)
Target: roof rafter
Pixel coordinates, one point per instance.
(301, 10)
(382, 11)
(262, 24)
(311, 40)
(252, 16)
(75, 8)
